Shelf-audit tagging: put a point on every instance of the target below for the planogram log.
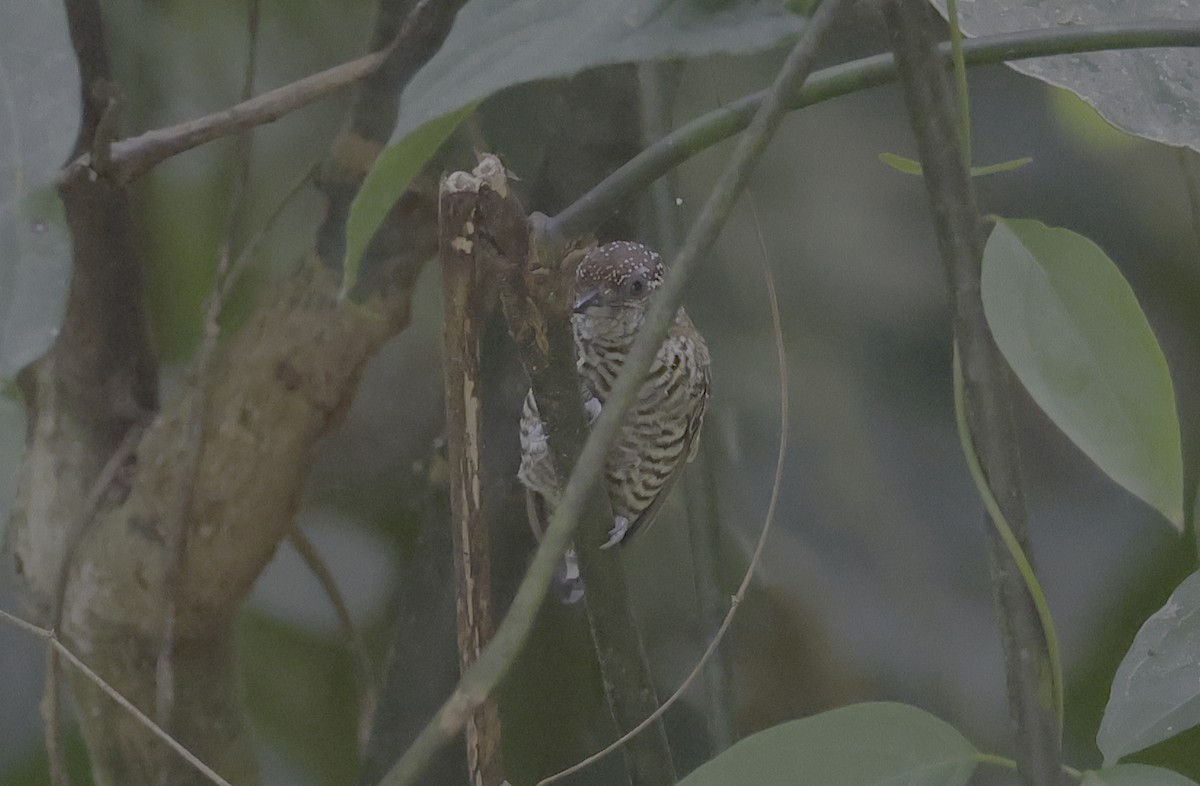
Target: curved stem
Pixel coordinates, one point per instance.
(960, 79)
(1010, 540)
(840, 80)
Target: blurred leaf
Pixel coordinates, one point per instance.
(1156, 691)
(496, 44)
(1071, 328)
(395, 168)
(911, 167)
(874, 744)
(12, 448)
(1135, 775)
(39, 116)
(900, 163)
(1152, 93)
(301, 694)
(32, 768)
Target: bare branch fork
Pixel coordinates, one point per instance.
(987, 383)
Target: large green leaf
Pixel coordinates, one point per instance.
(39, 116)
(1153, 93)
(1156, 692)
(880, 744)
(1071, 328)
(1135, 775)
(395, 168)
(496, 44)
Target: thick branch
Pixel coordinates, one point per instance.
(840, 80)
(461, 326)
(279, 386)
(987, 382)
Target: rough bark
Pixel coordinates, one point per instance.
(274, 391)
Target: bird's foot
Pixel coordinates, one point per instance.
(568, 583)
(592, 407)
(617, 533)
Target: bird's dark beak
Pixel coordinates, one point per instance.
(587, 299)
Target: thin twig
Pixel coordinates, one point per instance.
(53, 641)
(368, 686)
(133, 157)
(248, 253)
(499, 656)
(130, 158)
(756, 556)
(672, 150)
(195, 410)
(91, 505)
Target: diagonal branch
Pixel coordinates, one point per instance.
(673, 149)
(133, 157)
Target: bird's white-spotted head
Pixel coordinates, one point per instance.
(613, 286)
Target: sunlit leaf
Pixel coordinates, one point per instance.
(1156, 692)
(879, 744)
(1152, 93)
(395, 168)
(1071, 328)
(1135, 775)
(496, 44)
(39, 117)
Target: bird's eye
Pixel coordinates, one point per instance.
(637, 286)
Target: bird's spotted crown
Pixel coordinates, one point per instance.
(614, 265)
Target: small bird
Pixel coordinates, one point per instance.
(614, 284)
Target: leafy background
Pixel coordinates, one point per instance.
(874, 586)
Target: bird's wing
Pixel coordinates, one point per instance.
(690, 446)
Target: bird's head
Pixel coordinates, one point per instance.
(613, 286)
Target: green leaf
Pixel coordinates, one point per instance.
(395, 168)
(496, 44)
(879, 744)
(1152, 93)
(1072, 330)
(1135, 775)
(910, 167)
(1156, 692)
(1003, 166)
(901, 164)
(39, 117)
